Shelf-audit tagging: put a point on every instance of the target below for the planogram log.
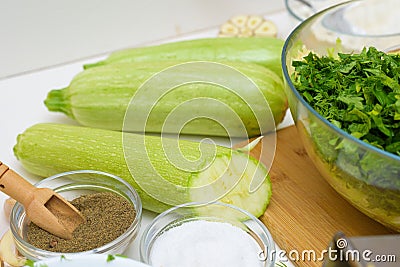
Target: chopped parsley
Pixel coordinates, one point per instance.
(110, 258)
(31, 263)
(359, 93)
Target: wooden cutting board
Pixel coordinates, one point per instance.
(305, 212)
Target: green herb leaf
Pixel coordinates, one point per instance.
(359, 93)
(62, 257)
(110, 258)
(30, 263)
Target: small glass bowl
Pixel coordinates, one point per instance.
(96, 260)
(71, 185)
(214, 212)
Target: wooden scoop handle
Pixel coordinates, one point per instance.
(15, 186)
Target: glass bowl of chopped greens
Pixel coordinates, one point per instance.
(112, 209)
(207, 234)
(342, 79)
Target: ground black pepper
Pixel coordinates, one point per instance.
(108, 215)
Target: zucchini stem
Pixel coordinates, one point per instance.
(57, 101)
(92, 65)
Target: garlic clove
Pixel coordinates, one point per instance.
(239, 21)
(254, 21)
(228, 29)
(245, 33)
(247, 26)
(8, 252)
(267, 28)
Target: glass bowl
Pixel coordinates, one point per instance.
(303, 9)
(71, 185)
(96, 260)
(214, 212)
(368, 177)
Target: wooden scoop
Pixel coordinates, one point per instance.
(43, 206)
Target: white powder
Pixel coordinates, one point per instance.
(205, 244)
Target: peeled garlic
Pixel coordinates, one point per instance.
(8, 251)
(266, 28)
(253, 22)
(247, 26)
(229, 29)
(8, 205)
(239, 21)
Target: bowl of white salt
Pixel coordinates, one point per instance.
(216, 234)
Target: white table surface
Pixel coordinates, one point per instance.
(22, 106)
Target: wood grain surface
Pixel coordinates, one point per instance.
(305, 212)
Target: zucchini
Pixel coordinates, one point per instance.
(265, 51)
(99, 97)
(46, 149)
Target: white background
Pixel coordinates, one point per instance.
(41, 33)
(45, 43)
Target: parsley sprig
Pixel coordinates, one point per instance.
(359, 93)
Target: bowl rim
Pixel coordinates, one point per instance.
(143, 248)
(294, 14)
(93, 258)
(289, 82)
(307, 4)
(135, 225)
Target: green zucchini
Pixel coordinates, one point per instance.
(265, 51)
(47, 149)
(99, 97)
